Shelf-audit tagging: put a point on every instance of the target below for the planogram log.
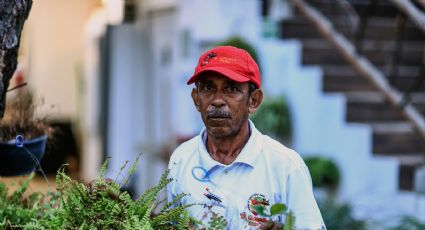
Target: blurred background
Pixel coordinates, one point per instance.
(344, 83)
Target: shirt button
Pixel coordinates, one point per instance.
(226, 171)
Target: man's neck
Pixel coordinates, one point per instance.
(226, 149)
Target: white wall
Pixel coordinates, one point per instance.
(54, 33)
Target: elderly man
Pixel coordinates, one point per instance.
(230, 167)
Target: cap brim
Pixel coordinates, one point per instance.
(232, 75)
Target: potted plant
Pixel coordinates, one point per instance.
(325, 174)
(273, 118)
(23, 137)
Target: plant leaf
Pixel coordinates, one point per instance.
(277, 209)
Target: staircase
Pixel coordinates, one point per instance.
(393, 135)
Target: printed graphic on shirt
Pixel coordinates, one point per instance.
(253, 218)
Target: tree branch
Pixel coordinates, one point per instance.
(13, 14)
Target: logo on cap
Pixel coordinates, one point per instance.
(208, 58)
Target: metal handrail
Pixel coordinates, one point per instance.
(412, 12)
(362, 64)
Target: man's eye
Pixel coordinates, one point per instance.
(206, 88)
(233, 89)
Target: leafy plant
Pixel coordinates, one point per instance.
(273, 118)
(277, 209)
(17, 210)
(339, 216)
(100, 204)
(324, 172)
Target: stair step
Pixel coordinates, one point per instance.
(369, 44)
(385, 9)
(347, 84)
(319, 51)
(377, 97)
(376, 29)
(395, 138)
(368, 112)
(358, 83)
(350, 81)
(372, 107)
(349, 71)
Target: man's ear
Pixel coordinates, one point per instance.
(255, 100)
(195, 99)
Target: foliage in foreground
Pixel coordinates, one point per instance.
(275, 210)
(17, 209)
(100, 204)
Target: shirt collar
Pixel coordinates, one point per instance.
(248, 154)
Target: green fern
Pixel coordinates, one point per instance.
(100, 204)
(290, 222)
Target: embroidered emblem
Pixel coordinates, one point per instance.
(252, 216)
(257, 200)
(207, 59)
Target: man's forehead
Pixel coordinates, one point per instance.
(217, 78)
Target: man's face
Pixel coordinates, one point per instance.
(224, 104)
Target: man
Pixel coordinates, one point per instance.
(230, 167)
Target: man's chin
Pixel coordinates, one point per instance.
(218, 131)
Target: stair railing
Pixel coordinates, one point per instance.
(362, 64)
(409, 11)
(412, 12)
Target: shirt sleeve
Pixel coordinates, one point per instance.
(300, 200)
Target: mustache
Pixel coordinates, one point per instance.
(218, 113)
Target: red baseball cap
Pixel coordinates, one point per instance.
(234, 63)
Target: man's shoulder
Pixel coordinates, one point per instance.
(281, 153)
(186, 148)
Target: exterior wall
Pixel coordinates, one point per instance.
(140, 95)
(54, 33)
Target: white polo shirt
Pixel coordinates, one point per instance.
(265, 172)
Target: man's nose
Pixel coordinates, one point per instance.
(218, 100)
